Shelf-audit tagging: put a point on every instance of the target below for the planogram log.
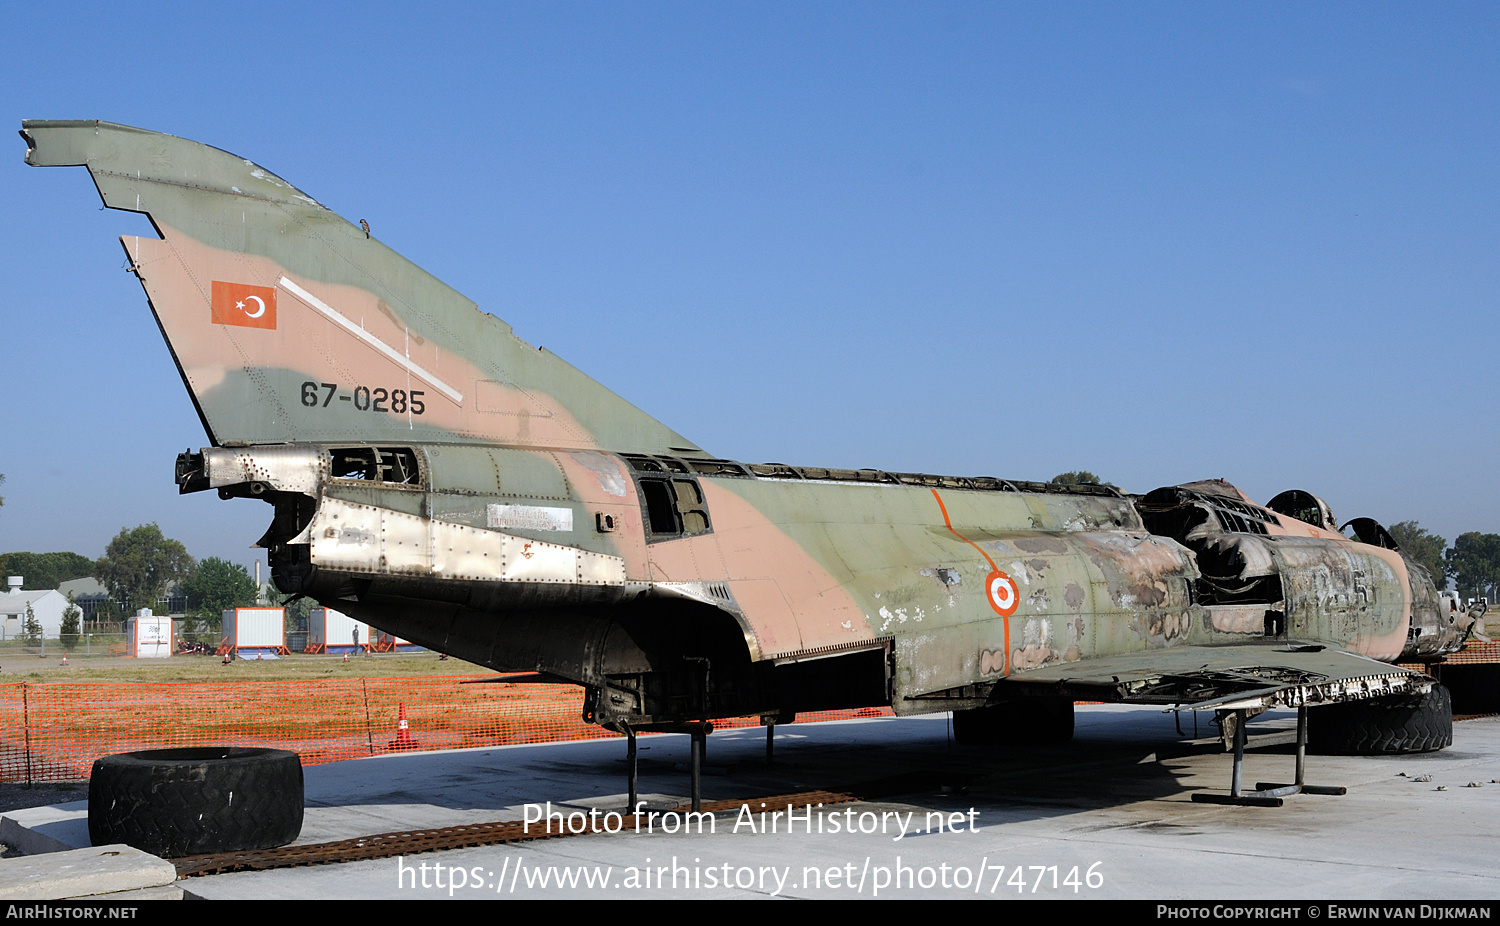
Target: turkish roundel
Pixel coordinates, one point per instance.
(244, 305)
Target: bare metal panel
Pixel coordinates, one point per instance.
(350, 537)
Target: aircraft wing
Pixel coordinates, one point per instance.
(1245, 676)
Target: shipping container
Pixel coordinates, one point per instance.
(254, 629)
(330, 631)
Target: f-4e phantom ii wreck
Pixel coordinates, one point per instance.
(433, 474)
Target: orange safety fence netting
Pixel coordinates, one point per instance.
(54, 732)
(1475, 653)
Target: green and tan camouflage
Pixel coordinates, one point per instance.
(435, 475)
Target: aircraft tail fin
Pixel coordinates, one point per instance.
(289, 323)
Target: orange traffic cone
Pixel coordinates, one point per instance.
(403, 738)
(65, 660)
(346, 657)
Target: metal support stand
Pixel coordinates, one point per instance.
(630, 764)
(770, 743)
(698, 730)
(1267, 794)
(1177, 716)
(700, 740)
(1300, 786)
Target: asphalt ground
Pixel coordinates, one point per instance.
(1107, 816)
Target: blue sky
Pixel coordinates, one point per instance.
(1161, 242)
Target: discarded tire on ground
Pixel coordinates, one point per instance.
(194, 801)
(1035, 721)
(1383, 726)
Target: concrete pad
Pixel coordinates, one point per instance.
(82, 873)
(67, 824)
(165, 892)
(1109, 815)
(29, 841)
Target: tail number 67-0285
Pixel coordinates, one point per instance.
(364, 399)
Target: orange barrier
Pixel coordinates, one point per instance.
(54, 732)
(226, 648)
(1475, 653)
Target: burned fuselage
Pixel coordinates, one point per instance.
(437, 476)
(683, 588)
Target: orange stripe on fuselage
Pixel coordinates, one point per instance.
(1004, 620)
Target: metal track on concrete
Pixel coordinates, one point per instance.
(464, 836)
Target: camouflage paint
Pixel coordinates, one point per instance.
(526, 541)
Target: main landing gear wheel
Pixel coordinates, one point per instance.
(1039, 721)
(196, 801)
(1383, 726)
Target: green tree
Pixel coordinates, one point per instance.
(1423, 546)
(140, 564)
(47, 570)
(72, 619)
(217, 585)
(105, 612)
(1080, 477)
(31, 628)
(1474, 563)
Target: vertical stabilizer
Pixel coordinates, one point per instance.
(288, 323)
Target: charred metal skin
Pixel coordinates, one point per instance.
(434, 475)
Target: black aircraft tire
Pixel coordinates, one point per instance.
(1383, 726)
(196, 801)
(974, 727)
(1046, 721)
(1030, 722)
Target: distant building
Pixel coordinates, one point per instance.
(87, 593)
(90, 596)
(47, 607)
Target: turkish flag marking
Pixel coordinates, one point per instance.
(244, 305)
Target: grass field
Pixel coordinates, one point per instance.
(18, 667)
